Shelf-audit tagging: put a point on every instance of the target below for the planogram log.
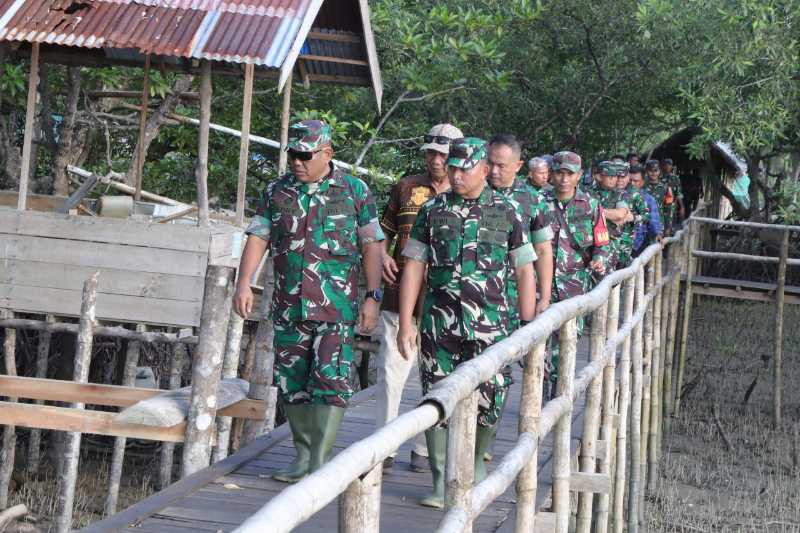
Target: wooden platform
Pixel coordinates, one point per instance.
(221, 497)
(743, 289)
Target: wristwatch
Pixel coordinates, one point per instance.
(376, 295)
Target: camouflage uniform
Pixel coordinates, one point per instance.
(535, 215)
(314, 231)
(665, 200)
(674, 183)
(612, 199)
(572, 275)
(469, 247)
(641, 215)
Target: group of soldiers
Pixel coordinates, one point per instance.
(462, 255)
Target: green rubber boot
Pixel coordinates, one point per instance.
(436, 440)
(325, 425)
(299, 417)
(484, 437)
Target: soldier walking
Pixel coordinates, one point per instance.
(615, 208)
(314, 220)
(639, 210)
(662, 192)
(674, 182)
(405, 199)
(466, 240)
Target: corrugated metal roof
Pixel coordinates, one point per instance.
(242, 31)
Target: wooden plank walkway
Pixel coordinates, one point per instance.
(202, 502)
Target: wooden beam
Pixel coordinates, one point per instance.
(332, 59)
(244, 146)
(75, 198)
(285, 112)
(201, 169)
(137, 195)
(743, 294)
(335, 37)
(590, 482)
(777, 360)
(30, 112)
(137, 94)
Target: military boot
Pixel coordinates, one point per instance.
(436, 440)
(299, 417)
(484, 437)
(325, 425)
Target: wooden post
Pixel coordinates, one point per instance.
(360, 504)
(591, 419)
(777, 398)
(201, 170)
(636, 411)
(230, 369)
(244, 146)
(42, 358)
(285, 113)
(72, 441)
(687, 311)
(655, 385)
(530, 409)
(624, 403)
(207, 368)
(118, 455)
(562, 433)
(27, 142)
(672, 329)
(460, 463)
(7, 453)
(176, 366)
(647, 375)
(608, 417)
(137, 194)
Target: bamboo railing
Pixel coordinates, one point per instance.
(634, 385)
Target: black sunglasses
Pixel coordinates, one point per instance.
(437, 139)
(302, 156)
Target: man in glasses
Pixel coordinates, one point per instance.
(464, 243)
(316, 221)
(405, 199)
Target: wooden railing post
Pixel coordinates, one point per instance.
(647, 379)
(654, 437)
(591, 418)
(624, 404)
(608, 416)
(72, 442)
(672, 329)
(777, 398)
(529, 411)
(9, 445)
(563, 429)
(230, 369)
(42, 358)
(687, 310)
(177, 362)
(636, 410)
(360, 504)
(460, 464)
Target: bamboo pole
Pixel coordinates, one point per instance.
(360, 504)
(201, 170)
(460, 457)
(636, 412)
(687, 312)
(207, 369)
(42, 358)
(244, 146)
(655, 385)
(591, 419)
(777, 397)
(30, 116)
(230, 369)
(563, 431)
(176, 366)
(237, 426)
(137, 194)
(285, 113)
(647, 375)
(607, 418)
(72, 443)
(530, 410)
(8, 451)
(672, 329)
(624, 404)
(118, 455)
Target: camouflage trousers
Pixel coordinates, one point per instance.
(313, 362)
(439, 357)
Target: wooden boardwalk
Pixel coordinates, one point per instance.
(222, 496)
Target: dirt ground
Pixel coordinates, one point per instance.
(754, 485)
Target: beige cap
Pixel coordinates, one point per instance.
(447, 131)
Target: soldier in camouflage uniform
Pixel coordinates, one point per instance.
(663, 194)
(674, 182)
(639, 210)
(615, 207)
(314, 220)
(504, 163)
(468, 239)
(580, 245)
(539, 174)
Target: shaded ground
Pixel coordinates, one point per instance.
(754, 485)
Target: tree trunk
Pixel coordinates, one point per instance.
(66, 154)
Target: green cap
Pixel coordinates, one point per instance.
(607, 167)
(466, 153)
(308, 135)
(567, 161)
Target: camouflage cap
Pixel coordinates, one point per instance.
(309, 135)
(567, 161)
(466, 153)
(667, 161)
(608, 168)
(622, 168)
(651, 163)
(636, 169)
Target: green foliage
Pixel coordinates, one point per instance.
(13, 83)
